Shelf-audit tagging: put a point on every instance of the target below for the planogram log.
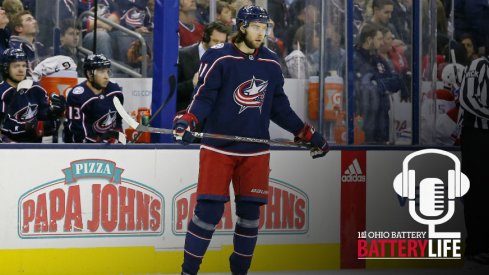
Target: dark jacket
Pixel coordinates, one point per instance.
(188, 65)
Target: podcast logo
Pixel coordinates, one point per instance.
(431, 202)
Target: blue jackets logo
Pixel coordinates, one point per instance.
(250, 94)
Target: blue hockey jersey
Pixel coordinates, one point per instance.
(90, 116)
(22, 111)
(238, 94)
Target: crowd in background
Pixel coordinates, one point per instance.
(382, 38)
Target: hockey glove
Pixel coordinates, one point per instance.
(58, 104)
(309, 135)
(183, 125)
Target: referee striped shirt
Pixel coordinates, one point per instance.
(474, 97)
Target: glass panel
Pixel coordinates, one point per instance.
(382, 72)
(430, 57)
(58, 29)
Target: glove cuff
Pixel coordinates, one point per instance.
(190, 118)
(305, 134)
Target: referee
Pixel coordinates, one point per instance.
(474, 101)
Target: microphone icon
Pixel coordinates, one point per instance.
(436, 205)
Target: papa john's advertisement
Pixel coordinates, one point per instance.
(95, 198)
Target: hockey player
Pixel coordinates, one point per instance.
(25, 111)
(240, 89)
(91, 115)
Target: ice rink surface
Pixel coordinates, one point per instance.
(464, 271)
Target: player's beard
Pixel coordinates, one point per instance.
(97, 86)
(250, 43)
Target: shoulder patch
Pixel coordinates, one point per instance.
(218, 46)
(78, 90)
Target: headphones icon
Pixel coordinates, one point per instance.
(405, 186)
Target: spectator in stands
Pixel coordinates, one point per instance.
(401, 19)
(109, 10)
(382, 13)
(358, 18)
(471, 17)
(25, 29)
(394, 56)
(306, 12)
(274, 43)
(202, 13)
(12, 6)
(189, 60)
(372, 84)
(189, 29)
(138, 17)
(335, 52)
(306, 39)
(4, 31)
(70, 40)
(238, 4)
(279, 15)
(441, 18)
(396, 61)
(469, 43)
(224, 13)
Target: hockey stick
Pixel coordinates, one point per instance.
(142, 128)
(173, 83)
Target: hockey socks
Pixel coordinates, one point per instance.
(244, 244)
(245, 236)
(196, 243)
(199, 234)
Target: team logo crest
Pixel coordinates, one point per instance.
(218, 46)
(106, 122)
(134, 17)
(26, 114)
(250, 94)
(78, 90)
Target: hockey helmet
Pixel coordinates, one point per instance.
(249, 14)
(96, 61)
(11, 55)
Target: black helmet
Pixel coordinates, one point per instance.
(249, 14)
(11, 55)
(96, 61)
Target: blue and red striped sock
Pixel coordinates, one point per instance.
(244, 245)
(196, 242)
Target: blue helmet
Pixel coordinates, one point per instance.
(96, 61)
(11, 55)
(249, 14)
